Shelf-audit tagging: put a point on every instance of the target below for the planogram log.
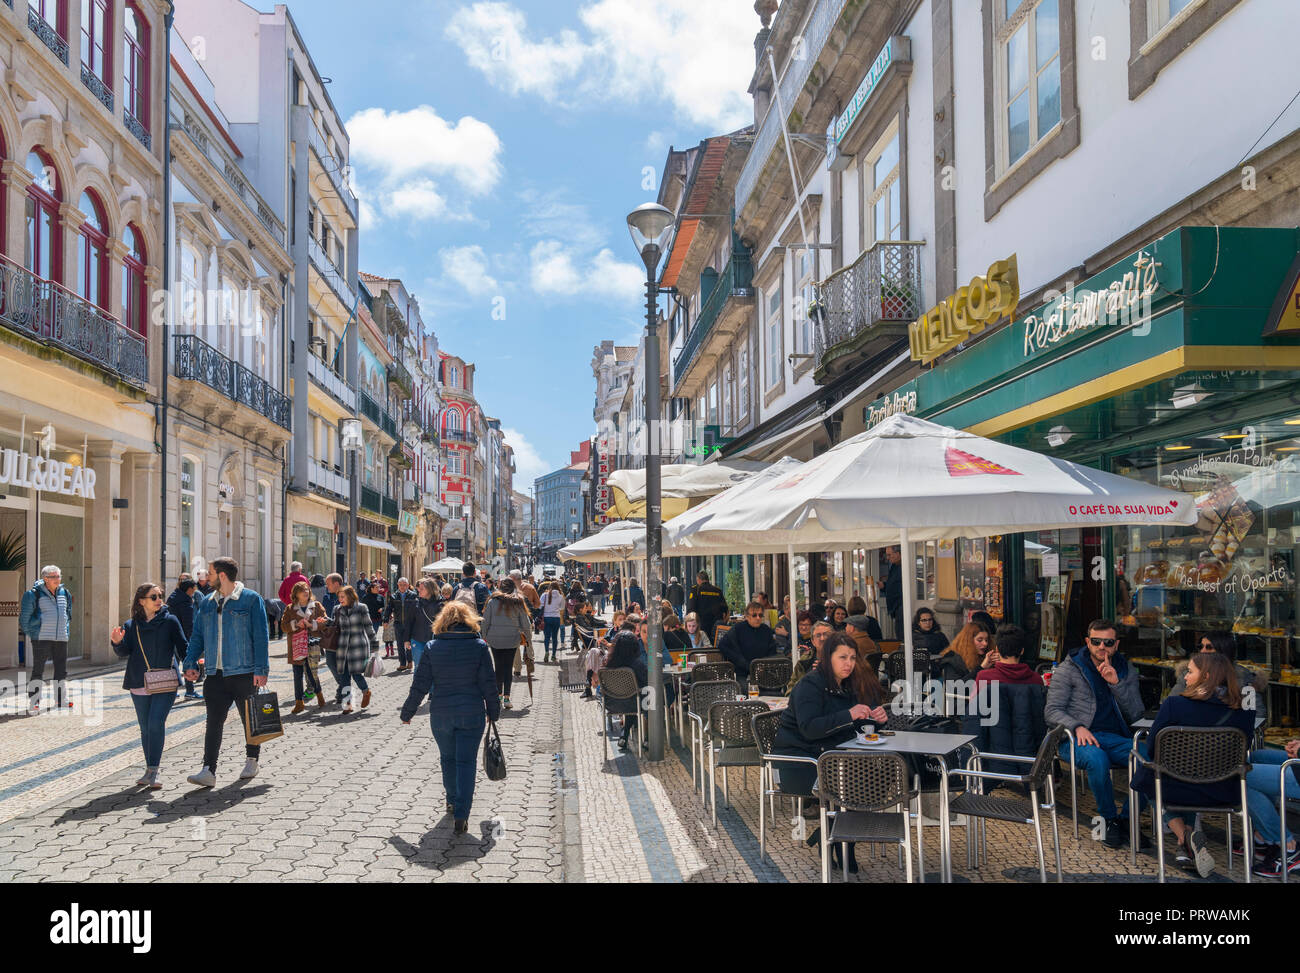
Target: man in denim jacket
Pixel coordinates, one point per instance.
(230, 635)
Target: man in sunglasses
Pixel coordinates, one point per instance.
(742, 644)
(1094, 693)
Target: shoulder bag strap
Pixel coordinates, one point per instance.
(142, 651)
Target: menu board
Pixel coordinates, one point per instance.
(970, 573)
(946, 570)
(993, 579)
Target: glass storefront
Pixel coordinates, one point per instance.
(314, 547)
(1233, 570)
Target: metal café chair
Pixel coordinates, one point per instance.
(860, 789)
(1014, 809)
(764, 728)
(620, 695)
(703, 695)
(896, 665)
(1282, 809)
(772, 675)
(731, 744)
(712, 671)
(1198, 755)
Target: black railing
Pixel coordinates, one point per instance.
(97, 87)
(41, 309)
(459, 436)
(136, 128)
(198, 361)
(48, 35)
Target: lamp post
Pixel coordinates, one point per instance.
(350, 430)
(651, 226)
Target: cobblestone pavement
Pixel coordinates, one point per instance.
(359, 798)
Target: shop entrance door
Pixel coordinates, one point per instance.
(1063, 589)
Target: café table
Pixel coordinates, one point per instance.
(938, 746)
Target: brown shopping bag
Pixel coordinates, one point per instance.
(262, 718)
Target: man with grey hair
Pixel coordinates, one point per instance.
(44, 618)
(285, 594)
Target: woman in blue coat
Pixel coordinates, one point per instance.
(457, 667)
(152, 639)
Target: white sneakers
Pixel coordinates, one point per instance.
(204, 778)
(250, 769)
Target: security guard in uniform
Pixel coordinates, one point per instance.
(708, 603)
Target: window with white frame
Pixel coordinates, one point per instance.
(807, 264)
(774, 372)
(726, 397)
(191, 286)
(1161, 13)
(882, 190)
(190, 552)
(264, 529)
(742, 380)
(1028, 75)
(712, 418)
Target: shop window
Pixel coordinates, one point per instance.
(135, 300)
(1029, 96)
(135, 61)
(1233, 571)
(43, 250)
(191, 555)
(92, 252)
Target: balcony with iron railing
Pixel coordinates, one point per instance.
(333, 168)
(378, 504)
(803, 58)
(51, 314)
(459, 436)
(736, 281)
(210, 148)
(97, 86)
(330, 272)
(400, 380)
(195, 360)
(48, 34)
(332, 382)
(866, 305)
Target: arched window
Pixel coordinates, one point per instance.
(135, 63)
(43, 252)
(92, 252)
(134, 299)
(453, 420)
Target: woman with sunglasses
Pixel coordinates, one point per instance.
(1254, 685)
(151, 639)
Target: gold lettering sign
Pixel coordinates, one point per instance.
(967, 312)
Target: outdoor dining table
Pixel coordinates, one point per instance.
(939, 746)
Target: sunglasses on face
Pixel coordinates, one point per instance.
(154, 597)
(1109, 643)
(753, 614)
(1206, 646)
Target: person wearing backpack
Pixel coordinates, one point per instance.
(470, 591)
(44, 619)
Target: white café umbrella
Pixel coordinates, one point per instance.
(907, 479)
(621, 541)
(445, 566)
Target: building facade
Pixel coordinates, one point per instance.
(459, 434)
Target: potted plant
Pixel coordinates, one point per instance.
(897, 301)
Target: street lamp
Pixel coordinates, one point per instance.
(350, 430)
(651, 226)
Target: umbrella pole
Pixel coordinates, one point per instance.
(794, 606)
(744, 570)
(906, 566)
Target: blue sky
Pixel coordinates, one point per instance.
(497, 148)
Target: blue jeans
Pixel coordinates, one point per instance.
(347, 677)
(458, 738)
(417, 650)
(1096, 762)
(1263, 789)
(151, 712)
(552, 634)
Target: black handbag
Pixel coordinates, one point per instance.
(494, 758)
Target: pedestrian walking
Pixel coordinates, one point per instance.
(152, 639)
(357, 642)
(505, 623)
(397, 622)
(285, 594)
(552, 615)
(457, 676)
(306, 615)
(230, 632)
(44, 618)
(677, 597)
(419, 628)
(203, 578)
(180, 603)
(470, 590)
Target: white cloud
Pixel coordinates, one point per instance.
(409, 155)
(558, 270)
(468, 267)
(529, 465)
(699, 56)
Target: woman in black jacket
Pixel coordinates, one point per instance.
(926, 633)
(625, 653)
(154, 639)
(456, 673)
(181, 604)
(418, 626)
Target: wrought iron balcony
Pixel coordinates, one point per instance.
(198, 361)
(97, 87)
(459, 436)
(52, 314)
(136, 128)
(388, 424)
(369, 407)
(399, 377)
(48, 34)
(736, 281)
(871, 300)
(379, 504)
